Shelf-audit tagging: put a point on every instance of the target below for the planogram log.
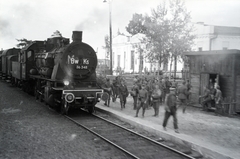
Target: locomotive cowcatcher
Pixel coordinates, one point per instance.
(60, 73)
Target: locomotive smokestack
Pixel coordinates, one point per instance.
(77, 36)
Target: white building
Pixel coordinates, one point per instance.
(210, 37)
(125, 55)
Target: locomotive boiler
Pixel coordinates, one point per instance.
(61, 74)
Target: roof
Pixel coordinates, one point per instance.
(224, 30)
(212, 52)
(5, 52)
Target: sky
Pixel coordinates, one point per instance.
(38, 19)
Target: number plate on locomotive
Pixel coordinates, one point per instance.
(81, 67)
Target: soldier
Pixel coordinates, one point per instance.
(107, 89)
(171, 109)
(149, 88)
(166, 87)
(182, 93)
(123, 93)
(206, 98)
(114, 86)
(142, 99)
(161, 88)
(134, 94)
(156, 95)
(218, 99)
(189, 86)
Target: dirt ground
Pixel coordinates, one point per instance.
(220, 133)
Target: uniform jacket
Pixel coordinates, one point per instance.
(143, 95)
(167, 85)
(182, 92)
(207, 94)
(171, 101)
(218, 96)
(134, 90)
(123, 90)
(156, 95)
(107, 87)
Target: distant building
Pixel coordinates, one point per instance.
(210, 37)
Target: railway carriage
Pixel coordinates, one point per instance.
(7, 57)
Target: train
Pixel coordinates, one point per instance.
(59, 73)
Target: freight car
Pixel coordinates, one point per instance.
(59, 73)
(7, 57)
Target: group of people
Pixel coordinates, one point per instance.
(212, 97)
(150, 93)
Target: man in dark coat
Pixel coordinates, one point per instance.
(156, 96)
(182, 93)
(218, 100)
(206, 98)
(142, 99)
(166, 87)
(114, 86)
(171, 109)
(123, 93)
(134, 94)
(107, 89)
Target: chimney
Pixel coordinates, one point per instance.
(77, 36)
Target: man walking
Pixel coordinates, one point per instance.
(108, 90)
(134, 94)
(123, 93)
(156, 99)
(171, 109)
(182, 95)
(142, 99)
(166, 87)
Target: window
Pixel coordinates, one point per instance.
(200, 45)
(132, 59)
(225, 45)
(118, 64)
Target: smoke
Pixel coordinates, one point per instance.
(95, 19)
(5, 28)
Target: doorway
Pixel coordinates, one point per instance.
(208, 80)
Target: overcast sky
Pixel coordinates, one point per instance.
(38, 19)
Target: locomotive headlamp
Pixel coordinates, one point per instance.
(66, 82)
(69, 97)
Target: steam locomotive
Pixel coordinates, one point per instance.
(55, 71)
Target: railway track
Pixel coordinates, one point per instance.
(134, 145)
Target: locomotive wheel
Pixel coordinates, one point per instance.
(64, 108)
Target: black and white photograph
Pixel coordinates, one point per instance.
(119, 79)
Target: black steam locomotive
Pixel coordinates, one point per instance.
(57, 72)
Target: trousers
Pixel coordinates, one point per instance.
(173, 112)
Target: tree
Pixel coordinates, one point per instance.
(181, 39)
(136, 25)
(167, 32)
(23, 42)
(157, 35)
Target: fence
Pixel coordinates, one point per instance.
(227, 107)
